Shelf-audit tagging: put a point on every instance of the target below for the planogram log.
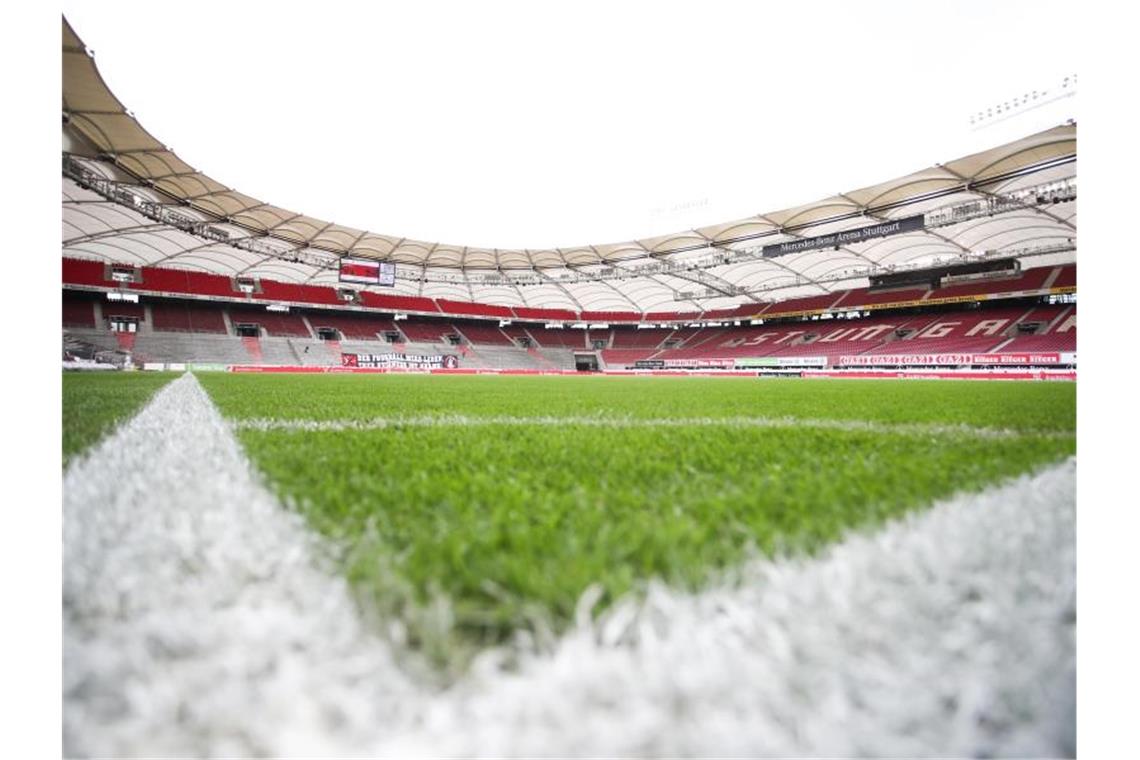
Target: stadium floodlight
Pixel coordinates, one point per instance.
(504, 322)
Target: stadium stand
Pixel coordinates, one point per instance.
(425, 331)
(1057, 334)
(555, 358)
(113, 309)
(1034, 279)
(626, 346)
(201, 283)
(1066, 278)
(625, 357)
(834, 338)
(610, 316)
(563, 338)
(181, 316)
(273, 323)
(84, 272)
(672, 316)
(545, 315)
(517, 333)
(681, 336)
(1039, 281)
(196, 331)
(624, 337)
(396, 303)
(793, 305)
(978, 331)
(863, 297)
(498, 357)
(353, 326)
(78, 310)
(482, 334)
(474, 309)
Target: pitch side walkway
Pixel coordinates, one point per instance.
(201, 619)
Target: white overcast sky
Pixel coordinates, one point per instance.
(532, 125)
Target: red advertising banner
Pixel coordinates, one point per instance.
(953, 360)
(935, 374)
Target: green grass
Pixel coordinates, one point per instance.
(471, 533)
(95, 402)
(1010, 405)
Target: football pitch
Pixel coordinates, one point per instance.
(477, 509)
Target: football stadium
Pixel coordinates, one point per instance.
(801, 483)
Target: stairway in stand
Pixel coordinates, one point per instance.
(126, 340)
(543, 362)
(253, 347)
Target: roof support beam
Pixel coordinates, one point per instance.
(1032, 207)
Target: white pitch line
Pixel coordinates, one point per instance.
(266, 424)
(950, 633)
(199, 619)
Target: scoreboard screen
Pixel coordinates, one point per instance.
(368, 272)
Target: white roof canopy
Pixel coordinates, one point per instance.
(705, 268)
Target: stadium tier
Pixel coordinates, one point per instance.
(78, 309)
(193, 316)
(649, 338)
(861, 298)
(982, 331)
(483, 334)
(625, 357)
(82, 273)
(245, 333)
(425, 332)
(558, 338)
(518, 334)
(274, 323)
(353, 326)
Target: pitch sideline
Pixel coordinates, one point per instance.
(211, 626)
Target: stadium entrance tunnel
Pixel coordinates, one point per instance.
(586, 362)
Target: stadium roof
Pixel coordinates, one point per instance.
(1013, 200)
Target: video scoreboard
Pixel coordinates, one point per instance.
(367, 272)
